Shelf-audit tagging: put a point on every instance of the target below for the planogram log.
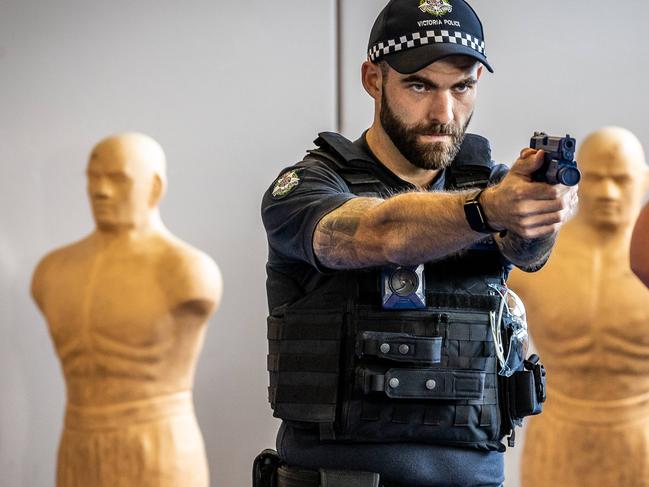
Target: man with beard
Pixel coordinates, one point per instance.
(386, 257)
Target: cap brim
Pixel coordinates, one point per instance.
(416, 58)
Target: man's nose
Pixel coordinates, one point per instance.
(441, 109)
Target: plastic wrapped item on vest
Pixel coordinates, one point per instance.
(509, 329)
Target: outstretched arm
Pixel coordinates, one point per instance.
(640, 247)
(530, 239)
(406, 229)
(411, 228)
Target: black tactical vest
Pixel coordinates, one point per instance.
(366, 374)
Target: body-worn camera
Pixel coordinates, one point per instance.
(403, 287)
(559, 166)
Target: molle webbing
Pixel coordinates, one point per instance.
(303, 361)
(453, 401)
(460, 301)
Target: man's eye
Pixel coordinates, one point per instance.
(418, 87)
(462, 89)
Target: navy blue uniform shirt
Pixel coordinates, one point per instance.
(290, 218)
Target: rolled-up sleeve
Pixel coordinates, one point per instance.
(290, 220)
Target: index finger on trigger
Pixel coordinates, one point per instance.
(543, 191)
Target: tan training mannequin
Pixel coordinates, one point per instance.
(126, 308)
(589, 317)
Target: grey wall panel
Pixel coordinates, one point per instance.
(228, 89)
(560, 67)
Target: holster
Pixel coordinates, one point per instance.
(264, 469)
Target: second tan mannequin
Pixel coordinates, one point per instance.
(126, 308)
(589, 317)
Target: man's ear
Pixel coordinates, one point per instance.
(157, 189)
(479, 72)
(372, 78)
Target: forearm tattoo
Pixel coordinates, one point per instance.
(528, 254)
(335, 241)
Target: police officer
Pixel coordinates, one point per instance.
(387, 263)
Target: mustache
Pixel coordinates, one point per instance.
(438, 129)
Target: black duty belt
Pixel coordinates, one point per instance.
(297, 477)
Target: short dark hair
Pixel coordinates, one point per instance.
(385, 67)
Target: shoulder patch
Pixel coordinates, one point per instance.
(286, 183)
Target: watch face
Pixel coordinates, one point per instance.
(404, 281)
(474, 216)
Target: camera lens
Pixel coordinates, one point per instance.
(404, 281)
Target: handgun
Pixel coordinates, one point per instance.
(559, 166)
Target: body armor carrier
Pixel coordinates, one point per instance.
(366, 374)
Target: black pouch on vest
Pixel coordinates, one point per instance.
(303, 361)
(527, 389)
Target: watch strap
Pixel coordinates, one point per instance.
(475, 214)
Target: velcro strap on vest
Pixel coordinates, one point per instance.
(428, 384)
(399, 347)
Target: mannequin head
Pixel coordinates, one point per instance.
(615, 178)
(126, 180)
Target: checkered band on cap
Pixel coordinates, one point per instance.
(418, 39)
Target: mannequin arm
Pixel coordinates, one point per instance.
(640, 247)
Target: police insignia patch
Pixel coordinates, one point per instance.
(435, 7)
(286, 183)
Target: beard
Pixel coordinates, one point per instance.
(436, 155)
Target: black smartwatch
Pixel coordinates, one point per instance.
(475, 214)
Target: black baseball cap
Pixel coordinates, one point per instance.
(411, 34)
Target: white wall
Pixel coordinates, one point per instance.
(560, 66)
(228, 89)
